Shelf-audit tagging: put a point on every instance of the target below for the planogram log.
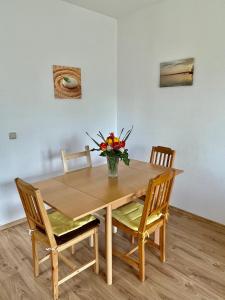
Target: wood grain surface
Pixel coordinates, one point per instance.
(194, 269)
(99, 189)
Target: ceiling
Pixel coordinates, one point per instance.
(112, 8)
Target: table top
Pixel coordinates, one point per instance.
(85, 191)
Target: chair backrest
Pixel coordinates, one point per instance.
(35, 211)
(162, 156)
(157, 197)
(74, 155)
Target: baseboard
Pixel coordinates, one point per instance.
(19, 221)
(12, 224)
(196, 217)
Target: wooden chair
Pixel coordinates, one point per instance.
(42, 227)
(140, 221)
(68, 156)
(74, 155)
(162, 156)
(71, 156)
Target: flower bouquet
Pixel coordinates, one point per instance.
(114, 149)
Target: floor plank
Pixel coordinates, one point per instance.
(194, 269)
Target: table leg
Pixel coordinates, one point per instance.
(156, 236)
(108, 243)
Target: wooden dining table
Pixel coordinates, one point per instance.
(86, 191)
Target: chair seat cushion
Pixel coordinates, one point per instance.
(130, 215)
(72, 234)
(62, 225)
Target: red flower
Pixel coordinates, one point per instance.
(122, 144)
(103, 146)
(116, 145)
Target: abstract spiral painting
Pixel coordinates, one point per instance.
(67, 82)
(177, 72)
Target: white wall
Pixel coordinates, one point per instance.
(34, 35)
(188, 119)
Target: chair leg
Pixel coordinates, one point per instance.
(157, 236)
(163, 242)
(141, 253)
(91, 241)
(73, 249)
(96, 267)
(55, 274)
(35, 256)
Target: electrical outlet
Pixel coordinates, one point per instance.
(12, 136)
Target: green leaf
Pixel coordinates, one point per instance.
(103, 153)
(93, 139)
(121, 133)
(128, 133)
(102, 136)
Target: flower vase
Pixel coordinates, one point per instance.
(113, 163)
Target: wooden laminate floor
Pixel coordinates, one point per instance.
(195, 267)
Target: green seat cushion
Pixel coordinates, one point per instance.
(130, 215)
(62, 224)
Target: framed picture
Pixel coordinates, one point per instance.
(67, 82)
(177, 72)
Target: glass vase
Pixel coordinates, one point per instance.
(113, 163)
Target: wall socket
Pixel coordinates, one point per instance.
(12, 136)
